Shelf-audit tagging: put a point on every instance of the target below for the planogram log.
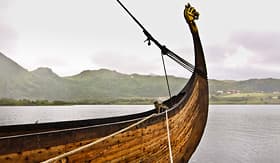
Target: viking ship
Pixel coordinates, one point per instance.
(151, 136)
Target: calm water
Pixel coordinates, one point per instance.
(31, 114)
(241, 134)
(234, 133)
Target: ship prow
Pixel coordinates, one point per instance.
(151, 136)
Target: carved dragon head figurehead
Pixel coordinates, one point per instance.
(190, 15)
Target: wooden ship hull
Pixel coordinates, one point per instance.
(144, 142)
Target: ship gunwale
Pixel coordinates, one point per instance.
(89, 123)
(100, 130)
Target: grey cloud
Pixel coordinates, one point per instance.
(126, 63)
(265, 45)
(215, 53)
(8, 38)
(8, 34)
(186, 53)
(218, 72)
(5, 3)
(264, 63)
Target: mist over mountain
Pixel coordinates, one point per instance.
(43, 84)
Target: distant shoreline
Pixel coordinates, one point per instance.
(214, 100)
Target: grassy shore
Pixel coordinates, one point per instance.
(246, 98)
(123, 101)
(226, 99)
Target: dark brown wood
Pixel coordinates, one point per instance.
(147, 142)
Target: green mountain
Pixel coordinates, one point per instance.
(15, 80)
(43, 84)
(268, 85)
(105, 83)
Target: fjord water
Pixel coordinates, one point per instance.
(10, 115)
(234, 133)
(241, 134)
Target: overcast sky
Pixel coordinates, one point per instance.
(241, 39)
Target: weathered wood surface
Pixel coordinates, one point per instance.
(146, 142)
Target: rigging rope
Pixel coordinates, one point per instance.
(177, 59)
(168, 137)
(183, 64)
(166, 77)
(51, 160)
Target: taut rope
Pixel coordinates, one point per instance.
(51, 160)
(166, 77)
(168, 138)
